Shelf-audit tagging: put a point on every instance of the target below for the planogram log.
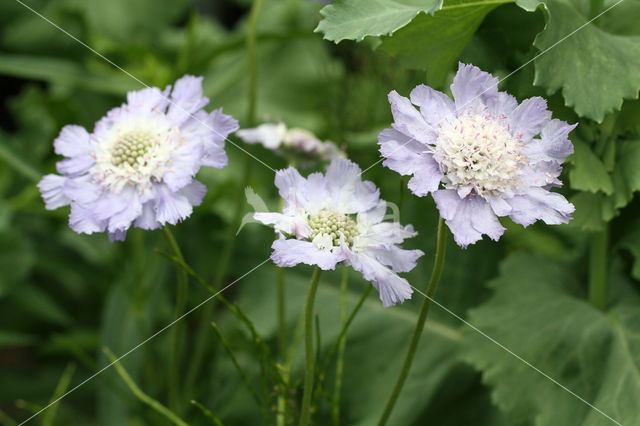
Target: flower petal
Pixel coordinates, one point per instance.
(346, 188)
(468, 218)
(407, 119)
(527, 119)
(554, 143)
(52, 189)
(290, 252)
(186, 99)
(73, 141)
(396, 258)
(268, 134)
(538, 203)
(171, 207)
(391, 288)
(434, 106)
(83, 221)
(473, 88)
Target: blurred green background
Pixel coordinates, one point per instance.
(64, 296)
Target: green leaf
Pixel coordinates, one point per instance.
(592, 211)
(588, 173)
(631, 242)
(596, 65)
(626, 174)
(434, 43)
(539, 312)
(357, 19)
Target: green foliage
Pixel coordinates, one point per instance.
(598, 66)
(539, 313)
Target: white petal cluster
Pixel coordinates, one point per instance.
(337, 218)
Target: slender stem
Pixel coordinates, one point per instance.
(143, 397)
(281, 416)
(181, 301)
(305, 413)
(344, 308)
(441, 246)
(61, 388)
(599, 248)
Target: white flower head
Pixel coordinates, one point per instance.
(337, 218)
(291, 141)
(137, 167)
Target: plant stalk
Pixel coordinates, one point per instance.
(598, 251)
(305, 412)
(181, 302)
(344, 313)
(438, 264)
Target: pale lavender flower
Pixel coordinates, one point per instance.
(481, 155)
(278, 137)
(137, 167)
(337, 218)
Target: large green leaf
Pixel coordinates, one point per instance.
(540, 313)
(357, 19)
(434, 43)
(596, 64)
(588, 173)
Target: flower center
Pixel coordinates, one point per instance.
(132, 147)
(328, 226)
(479, 152)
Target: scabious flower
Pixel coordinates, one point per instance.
(481, 155)
(337, 218)
(137, 167)
(291, 141)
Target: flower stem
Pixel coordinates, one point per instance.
(598, 252)
(344, 286)
(441, 246)
(181, 301)
(252, 59)
(305, 412)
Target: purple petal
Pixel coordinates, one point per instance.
(52, 189)
(148, 99)
(185, 165)
(287, 253)
(186, 99)
(434, 106)
(290, 185)
(73, 141)
(554, 143)
(473, 88)
(468, 218)
(147, 219)
(408, 120)
(527, 119)
(290, 225)
(502, 105)
(541, 204)
(171, 207)
(119, 210)
(396, 258)
(268, 134)
(75, 166)
(347, 189)
(82, 220)
(391, 288)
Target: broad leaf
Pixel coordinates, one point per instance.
(357, 19)
(588, 173)
(595, 64)
(434, 43)
(539, 312)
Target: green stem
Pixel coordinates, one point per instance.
(599, 248)
(143, 397)
(181, 302)
(305, 412)
(344, 286)
(281, 416)
(61, 388)
(441, 246)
